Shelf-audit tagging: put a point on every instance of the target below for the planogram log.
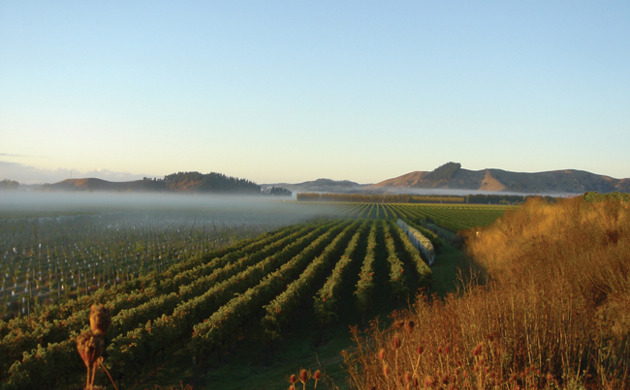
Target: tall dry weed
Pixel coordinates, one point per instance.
(554, 312)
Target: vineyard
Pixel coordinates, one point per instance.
(57, 251)
(221, 296)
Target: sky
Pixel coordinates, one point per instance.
(290, 91)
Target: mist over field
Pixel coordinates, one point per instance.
(53, 244)
(220, 208)
(465, 192)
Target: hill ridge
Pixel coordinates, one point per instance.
(447, 177)
(452, 176)
(189, 182)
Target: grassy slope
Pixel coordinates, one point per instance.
(450, 267)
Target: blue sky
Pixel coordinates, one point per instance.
(292, 91)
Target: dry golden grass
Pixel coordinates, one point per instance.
(553, 313)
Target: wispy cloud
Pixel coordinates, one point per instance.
(11, 155)
(25, 174)
(20, 155)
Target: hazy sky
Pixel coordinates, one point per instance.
(291, 91)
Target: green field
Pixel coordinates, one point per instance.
(229, 313)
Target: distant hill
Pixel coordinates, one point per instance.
(211, 182)
(323, 185)
(9, 185)
(178, 182)
(453, 176)
(448, 177)
(94, 184)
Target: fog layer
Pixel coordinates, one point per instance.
(244, 208)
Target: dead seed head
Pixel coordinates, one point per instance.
(419, 350)
(303, 376)
(293, 379)
(381, 353)
(396, 342)
(477, 349)
(100, 319)
(386, 370)
(317, 375)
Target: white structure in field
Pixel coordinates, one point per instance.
(418, 240)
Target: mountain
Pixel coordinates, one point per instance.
(407, 180)
(447, 178)
(191, 182)
(453, 177)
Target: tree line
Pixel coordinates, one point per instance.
(410, 198)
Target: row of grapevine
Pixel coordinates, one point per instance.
(422, 269)
(49, 259)
(116, 296)
(224, 324)
(356, 210)
(458, 217)
(47, 329)
(48, 256)
(449, 216)
(282, 308)
(143, 342)
(326, 299)
(365, 284)
(418, 240)
(136, 346)
(133, 307)
(396, 267)
(194, 272)
(412, 216)
(174, 279)
(260, 284)
(175, 290)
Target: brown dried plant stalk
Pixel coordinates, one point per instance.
(90, 344)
